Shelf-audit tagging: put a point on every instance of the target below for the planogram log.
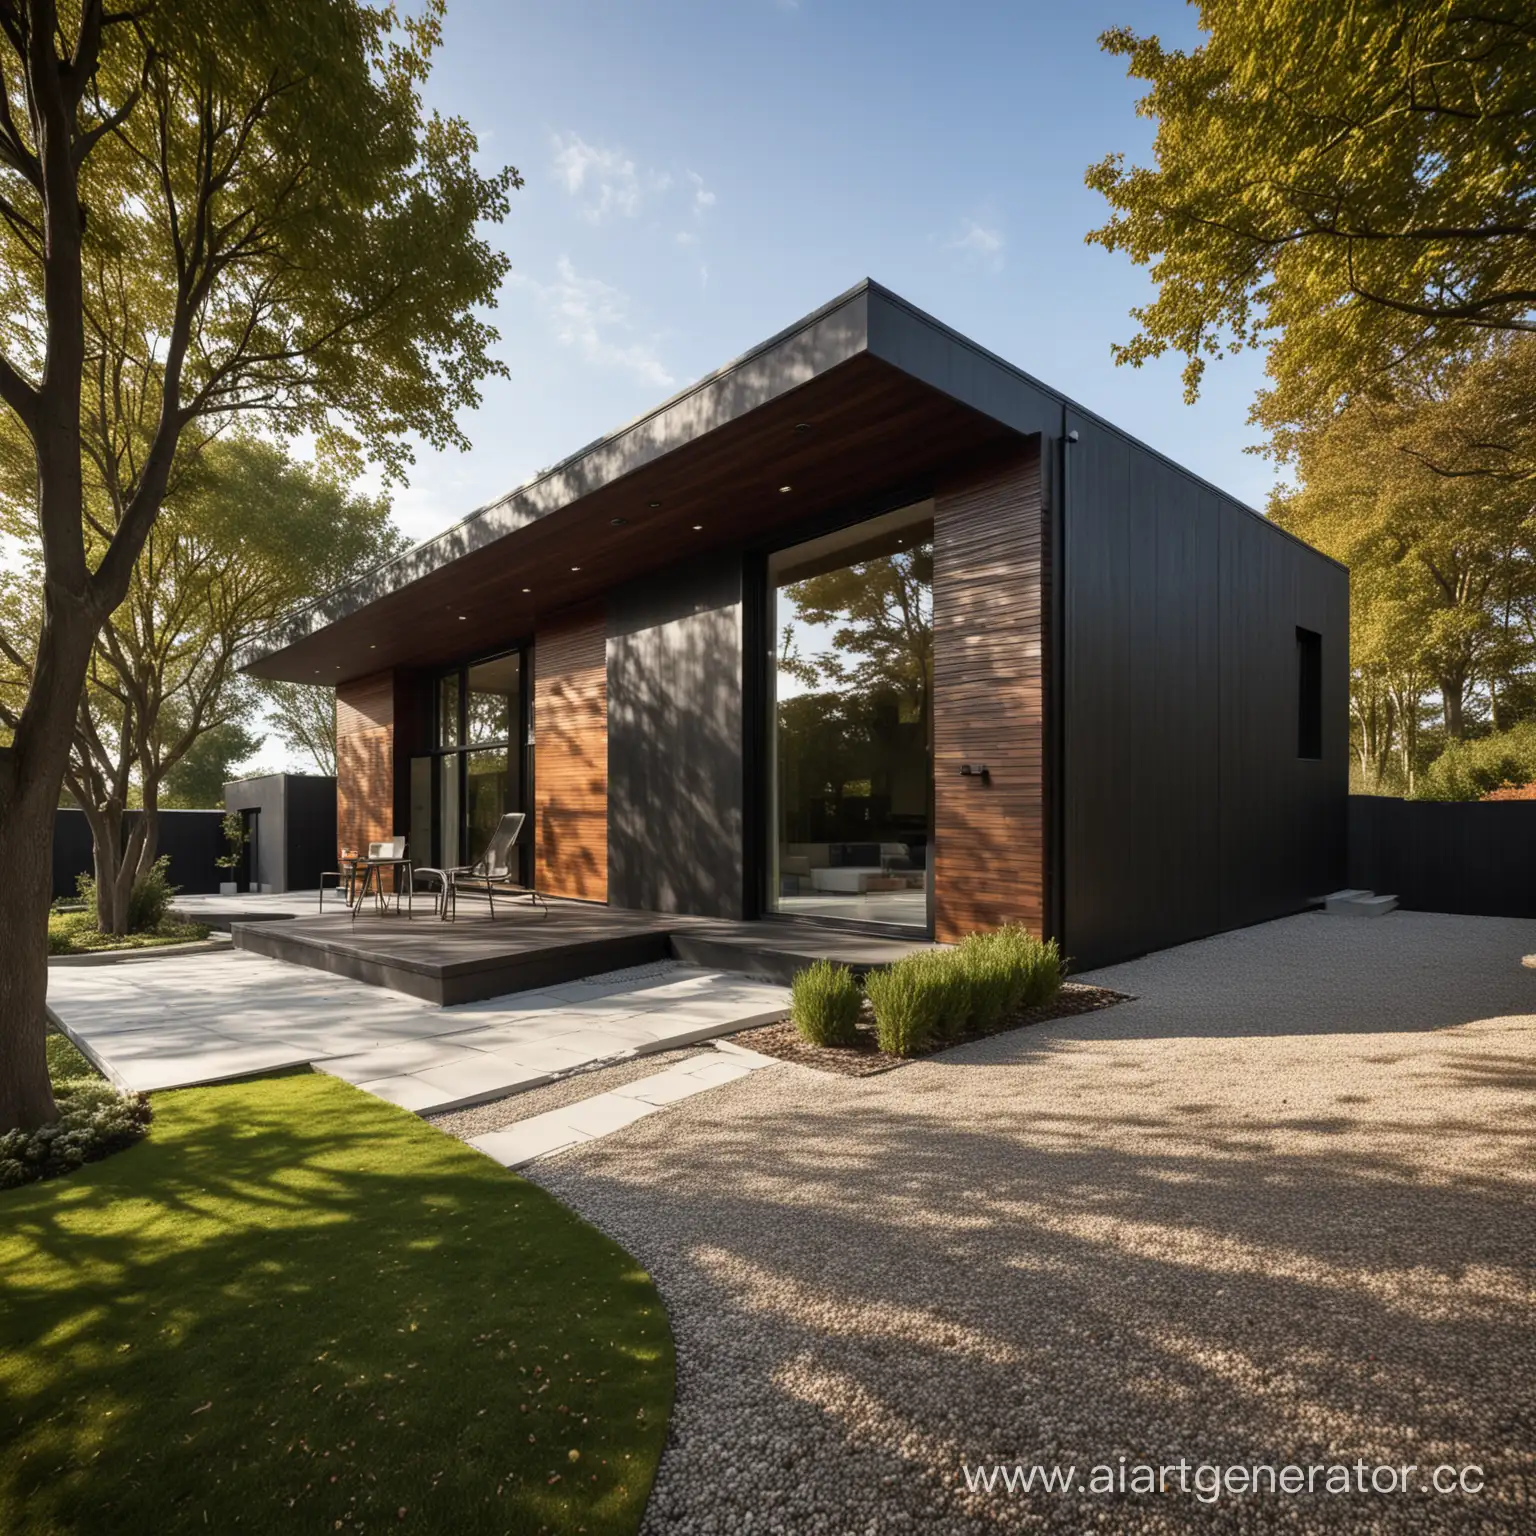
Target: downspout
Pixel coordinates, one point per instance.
(1059, 484)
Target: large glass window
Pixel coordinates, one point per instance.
(479, 755)
(852, 777)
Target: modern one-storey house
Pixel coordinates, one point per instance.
(867, 627)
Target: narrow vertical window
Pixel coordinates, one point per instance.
(1309, 693)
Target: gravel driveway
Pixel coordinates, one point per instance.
(1280, 1210)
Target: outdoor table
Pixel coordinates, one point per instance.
(369, 867)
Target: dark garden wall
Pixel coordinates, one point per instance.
(1187, 805)
(191, 839)
(1446, 856)
(676, 788)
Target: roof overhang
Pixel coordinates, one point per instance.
(866, 396)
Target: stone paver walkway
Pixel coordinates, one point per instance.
(209, 1017)
(603, 1113)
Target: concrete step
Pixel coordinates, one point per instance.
(1334, 899)
(1359, 904)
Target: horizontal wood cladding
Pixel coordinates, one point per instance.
(989, 622)
(365, 760)
(570, 734)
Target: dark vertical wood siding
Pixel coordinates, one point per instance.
(570, 733)
(989, 622)
(676, 824)
(365, 760)
(1185, 807)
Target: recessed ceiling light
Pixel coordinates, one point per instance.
(698, 527)
(575, 567)
(527, 589)
(653, 505)
(373, 647)
(802, 426)
(618, 522)
(317, 671)
(462, 617)
(784, 490)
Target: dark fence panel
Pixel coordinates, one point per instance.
(1474, 857)
(192, 839)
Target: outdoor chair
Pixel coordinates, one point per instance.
(494, 875)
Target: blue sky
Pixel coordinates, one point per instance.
(700, 173)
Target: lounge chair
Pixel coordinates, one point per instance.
(494, 875)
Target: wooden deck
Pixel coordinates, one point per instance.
(519, 951)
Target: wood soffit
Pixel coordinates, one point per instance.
(814, 410)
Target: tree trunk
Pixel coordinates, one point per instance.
(106, 824)
(1451, 690)
(26, 856)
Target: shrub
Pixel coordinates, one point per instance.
(1006, 970)
(94, 1120)
(1468, 770)
(908, 998)
(824, 1004)
(148, 903)
(988, 982)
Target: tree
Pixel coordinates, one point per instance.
(197, 781)
(208, 209)
(304, 717)
(1443, 567)
(245, 536)
(1350, 184)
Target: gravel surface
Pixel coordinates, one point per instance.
(497, 1114)
(1279, 1209)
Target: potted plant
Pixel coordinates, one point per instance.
(235, 838)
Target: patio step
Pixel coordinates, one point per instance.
(1353, 903)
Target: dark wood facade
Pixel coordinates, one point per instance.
(570, 746)
(989, 632)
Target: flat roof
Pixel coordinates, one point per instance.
(722, 437)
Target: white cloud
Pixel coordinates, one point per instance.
(606, 179)
(703, 198)
(981, 241)
(592, 317)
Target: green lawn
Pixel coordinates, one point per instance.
(296, 1308)
(75, 933)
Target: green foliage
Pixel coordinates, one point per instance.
(1468, 770)
(274, 1237)
(908, 999)
(94, 1121)
(197, 781)
(76, 933)
(824, 1004)
(232, 825)
(975, 988)
(148, 904)
(990, 983)
(304, 717)
(1348, 182)
(66, 1063)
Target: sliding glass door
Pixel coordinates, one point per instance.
(851, 754)
(476, 771)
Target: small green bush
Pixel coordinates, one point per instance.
(149, 903)
(824, 1003)
(94, 1120)
(908, 999)
(989, 984)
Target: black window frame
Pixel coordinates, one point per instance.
(440, 754)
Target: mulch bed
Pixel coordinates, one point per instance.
(865, 1059)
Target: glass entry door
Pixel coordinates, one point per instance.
(461, 790)
(851, 745)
